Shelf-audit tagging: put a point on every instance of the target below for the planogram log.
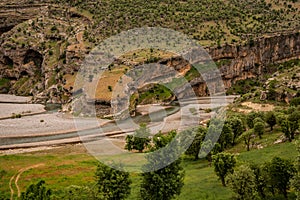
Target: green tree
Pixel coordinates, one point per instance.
(259, 129)
(129, 142)
(250, 118)
(226, 136)
(223, 165)
(271, 119)
(36, 191)
(209, 149)
(294, 120)
(279, 174)
(296, 179)
(286, 129)
(161, 140)
(237, 128)
(242, 183)
(112, 184)
(260, 181)
(246, 137)
(139, 140)
(164, 183)
(195, 147)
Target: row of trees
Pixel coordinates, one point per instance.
(254, 181)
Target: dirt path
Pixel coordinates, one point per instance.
(11, 188)
(18, 175)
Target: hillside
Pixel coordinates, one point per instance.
(57, 35)
(49, 57)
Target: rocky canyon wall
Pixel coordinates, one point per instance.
(251, 60)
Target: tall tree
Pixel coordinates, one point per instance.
(111, 183)
(223, 165)
(294, 120)
(195, 147)
(208, 149)
(279, 174)
(226, 136)
(242, 183)
(237, 127)
(246, 137)
(260, 181)
(286, 129)
(164, 183)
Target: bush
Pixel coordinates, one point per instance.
(16, 116)
(36, 192)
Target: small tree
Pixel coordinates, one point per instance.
(294, 120)
(160, 140)
(259, 129)
(195, 147)
(226, 136)
(237, 128)
(36, 192)
(247, 136)
(285, 128)
(111, 183)
(242, 183)
(139, 140)
(279, 173)
(271, 119)
(223, 165)
(209, 149)
(250, 118)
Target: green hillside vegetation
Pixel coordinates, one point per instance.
(211, 22)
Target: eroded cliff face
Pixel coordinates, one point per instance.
(14, 13)
(253, 59)
(36, 54)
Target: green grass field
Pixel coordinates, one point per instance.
(71, 165)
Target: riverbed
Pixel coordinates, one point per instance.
(41, 128)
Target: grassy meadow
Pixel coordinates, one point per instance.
(72, 165)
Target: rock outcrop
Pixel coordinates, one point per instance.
(253, 59)
(36, 54)
(14, 13)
